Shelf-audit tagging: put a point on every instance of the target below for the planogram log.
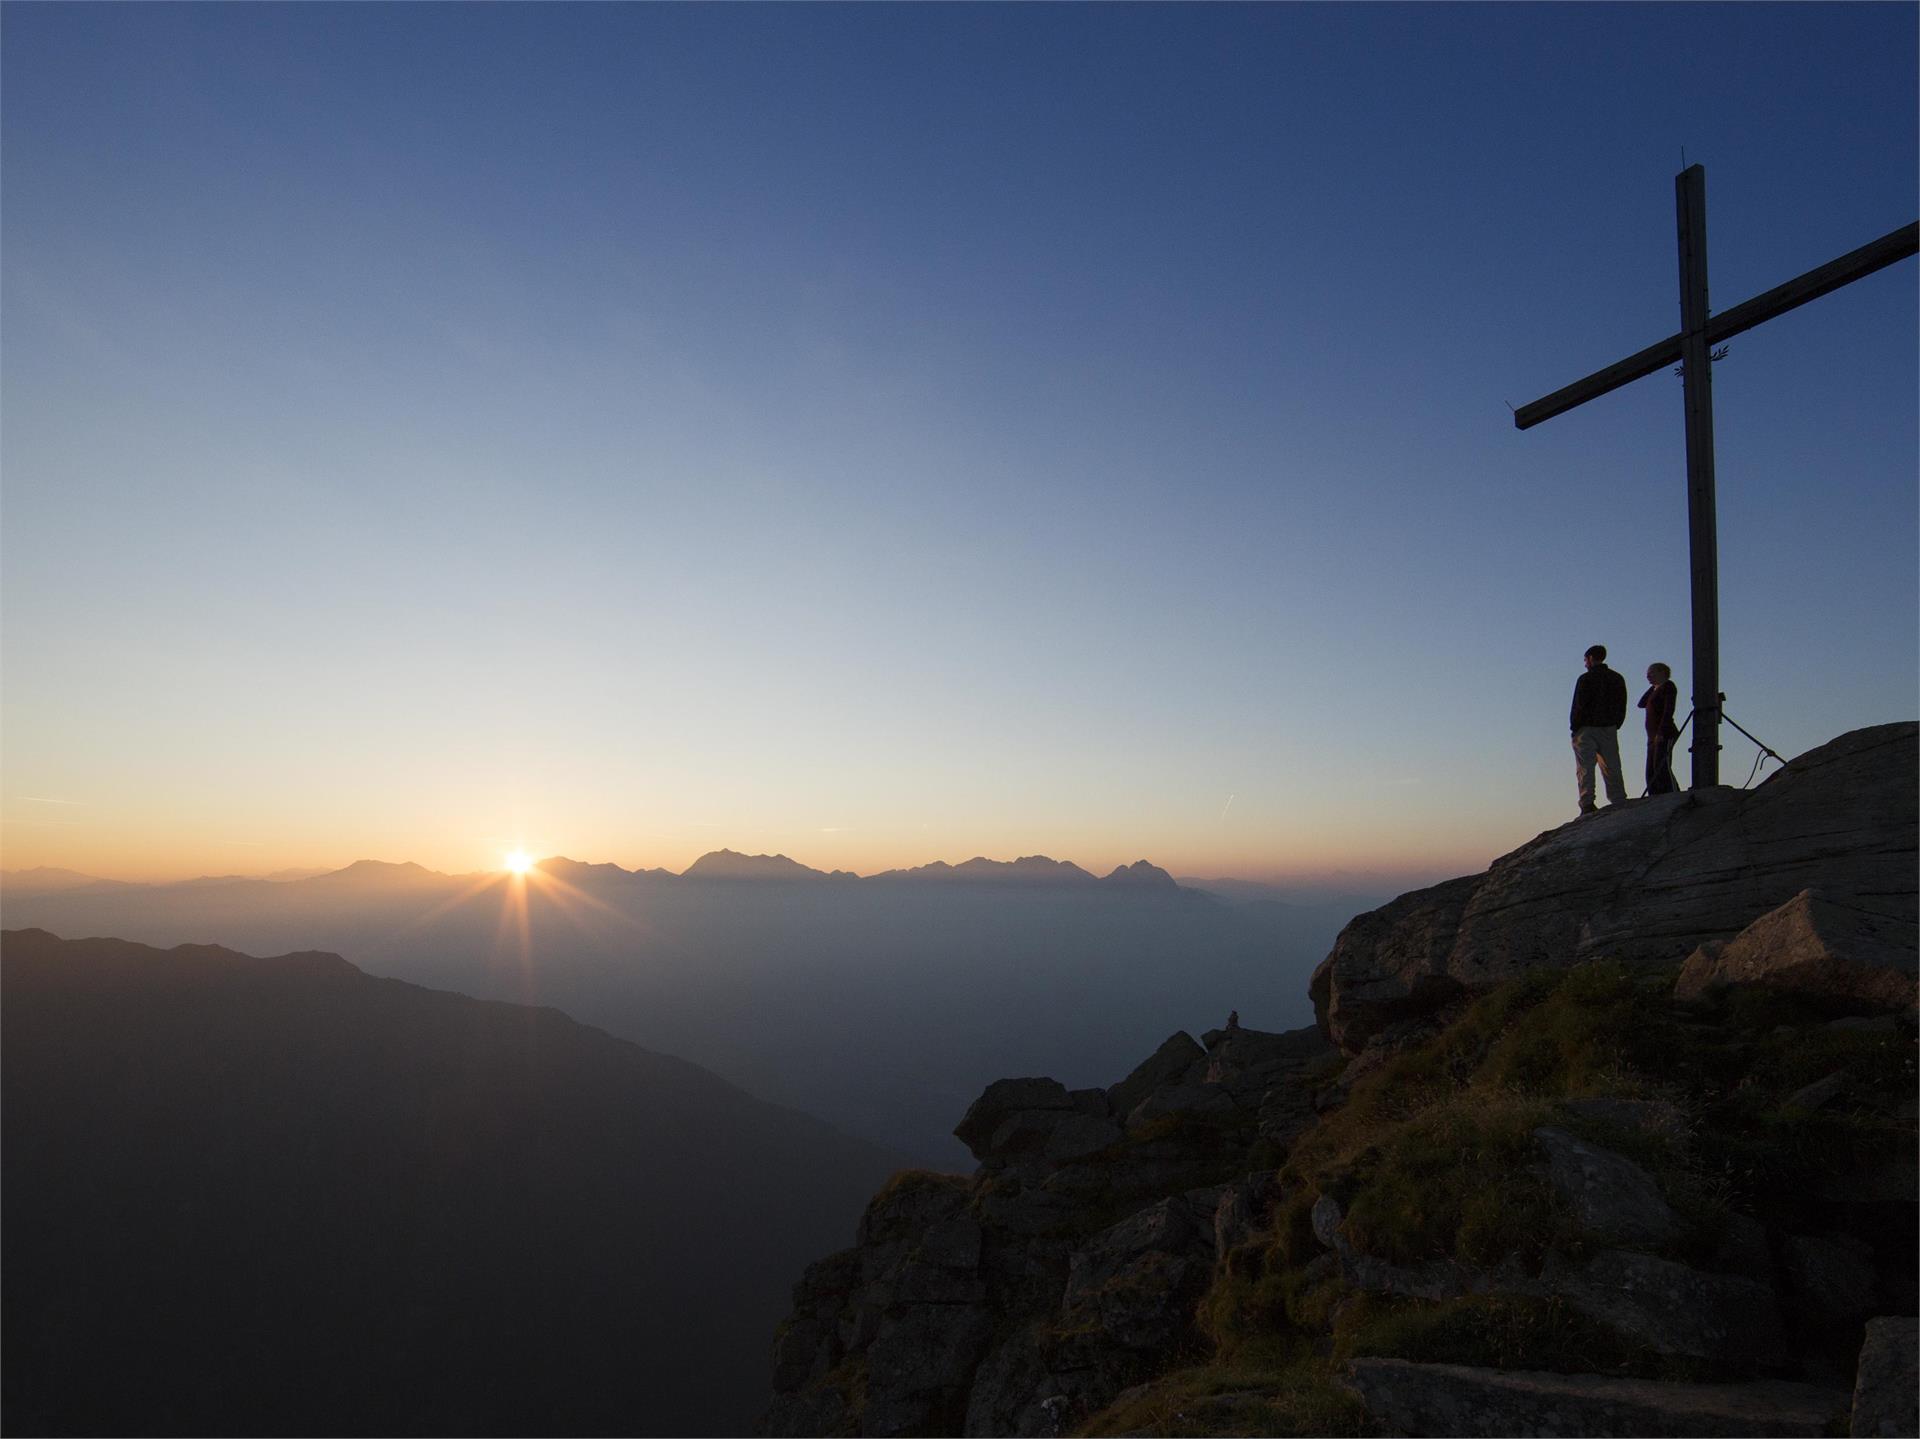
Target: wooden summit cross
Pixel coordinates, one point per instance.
(1700, 331)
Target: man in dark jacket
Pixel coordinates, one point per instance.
(1599, 709)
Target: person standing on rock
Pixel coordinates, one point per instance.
(1599, 709)
(1658, 702)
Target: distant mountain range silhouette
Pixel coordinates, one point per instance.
(873, 1003)
(280, 1196)
(727, 864)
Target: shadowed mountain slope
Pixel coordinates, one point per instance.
(281, 1196)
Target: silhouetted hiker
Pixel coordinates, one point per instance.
(1599, 709)
(1658, 702)
(1233, 1020)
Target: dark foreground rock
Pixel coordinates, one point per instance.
(1886, 1393)
(1654, 881)
(1609, 1194)
(1576, 1171)
(1066, 1268)
(1451, 1399)
(1671, 1308)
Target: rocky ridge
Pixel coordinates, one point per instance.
(1653, 881)
(1066, 1267)
(1537, 1171)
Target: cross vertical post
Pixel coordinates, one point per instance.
(1696, 360)
(1700, 331)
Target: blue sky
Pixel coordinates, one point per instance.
(895, 433)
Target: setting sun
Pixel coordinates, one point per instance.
(519, 862)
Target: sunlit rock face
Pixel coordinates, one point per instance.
(1650, 883)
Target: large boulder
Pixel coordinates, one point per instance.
(1168, 1064)
(1884, 1391)
(1248, 1063)
(1137, 1280)
(1608, 1193)
(1245, 1210)
(1814, 946)
(907, 1310)
(1442, 1278)
(1003, 1099)
(1448, 1399)
(1832, 1278)
(1647, 883)
(1391, 964)
(1671, 1309)
(1196, 1101)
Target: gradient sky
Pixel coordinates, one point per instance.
(882, 434)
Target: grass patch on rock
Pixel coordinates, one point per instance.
(1499, 1331)
(1277, 1388)
(1433, 1158)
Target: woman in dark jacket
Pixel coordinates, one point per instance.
(1658, 702)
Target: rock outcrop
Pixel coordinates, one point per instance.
(1886, 1392)
(1655, 881)
(1065, 1268)
(1453, 1399)
(1813, 945)
(1608, 1193)
(1538, 1190)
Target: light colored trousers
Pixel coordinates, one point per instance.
(1600, 742)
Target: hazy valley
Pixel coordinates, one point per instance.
(877, 1004)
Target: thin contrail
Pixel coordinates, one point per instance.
(1227, 806)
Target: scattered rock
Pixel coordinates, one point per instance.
(1326, 1219)
(1436, 1279)
(1884, 1392)
(1250, 1048)
(1039, 1383)
(1888, 1181)
(1286, 1112)
(1167, 1064)
(1091, 1101)
(1868, 1024)
(1743, 1249)
(1245, 1209)
(1000, 1101)
(1138, 1279)
(1390, 963)
(1818, 1094)
(1050, 1137)
(1610, 1195)
(1194, 1101)
(1815, 946)
(1670, 1308)
(1450, 1399)
(920, 1366)
(1640, 1116)
(1831, 1278)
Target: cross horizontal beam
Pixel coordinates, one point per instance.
(1886, 250)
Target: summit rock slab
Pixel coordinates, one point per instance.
(1450, 1399)
(1649, 884)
